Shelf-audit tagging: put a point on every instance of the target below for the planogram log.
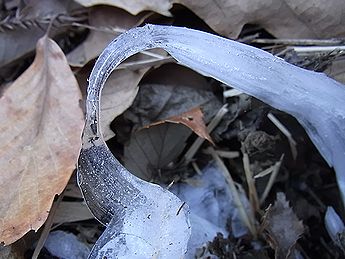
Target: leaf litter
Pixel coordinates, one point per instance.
(40, 138)
(295, 18)
(283, 227)
(300, 179)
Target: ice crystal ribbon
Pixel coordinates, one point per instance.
(147, 219)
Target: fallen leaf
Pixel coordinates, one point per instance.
(69, 211)
(106, 23)
(193, 119)
(9, 252)
(337, 70)
(283, 227)
(118, 94)
(156, 102)
(282, 18)
(151, 150)
(40, 139)
(133, 7)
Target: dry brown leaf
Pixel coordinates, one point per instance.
(133, 7)
(283, 227)
(193, 119)
(282, 18)
(169, 90)
(40, 139)
(151, 152)
(69, 211)
(102, 19)
(337, 70)
(118, 94)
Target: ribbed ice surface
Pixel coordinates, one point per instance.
(315, 100)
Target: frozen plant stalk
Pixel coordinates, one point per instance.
(130, 206)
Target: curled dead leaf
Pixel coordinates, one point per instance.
(283, 227)
(40, 139)
(193, 119)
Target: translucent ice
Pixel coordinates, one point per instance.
(115, 196)
(211, 208)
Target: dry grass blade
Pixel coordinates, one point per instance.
(228, 154)
(47, 227)
(196, 168)
(223, 154)
(253, 194)
(231, 93)
(271, 180)
(248, 220)
(265, 172)
(286, 132)
(312, 50)
(304, 42)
